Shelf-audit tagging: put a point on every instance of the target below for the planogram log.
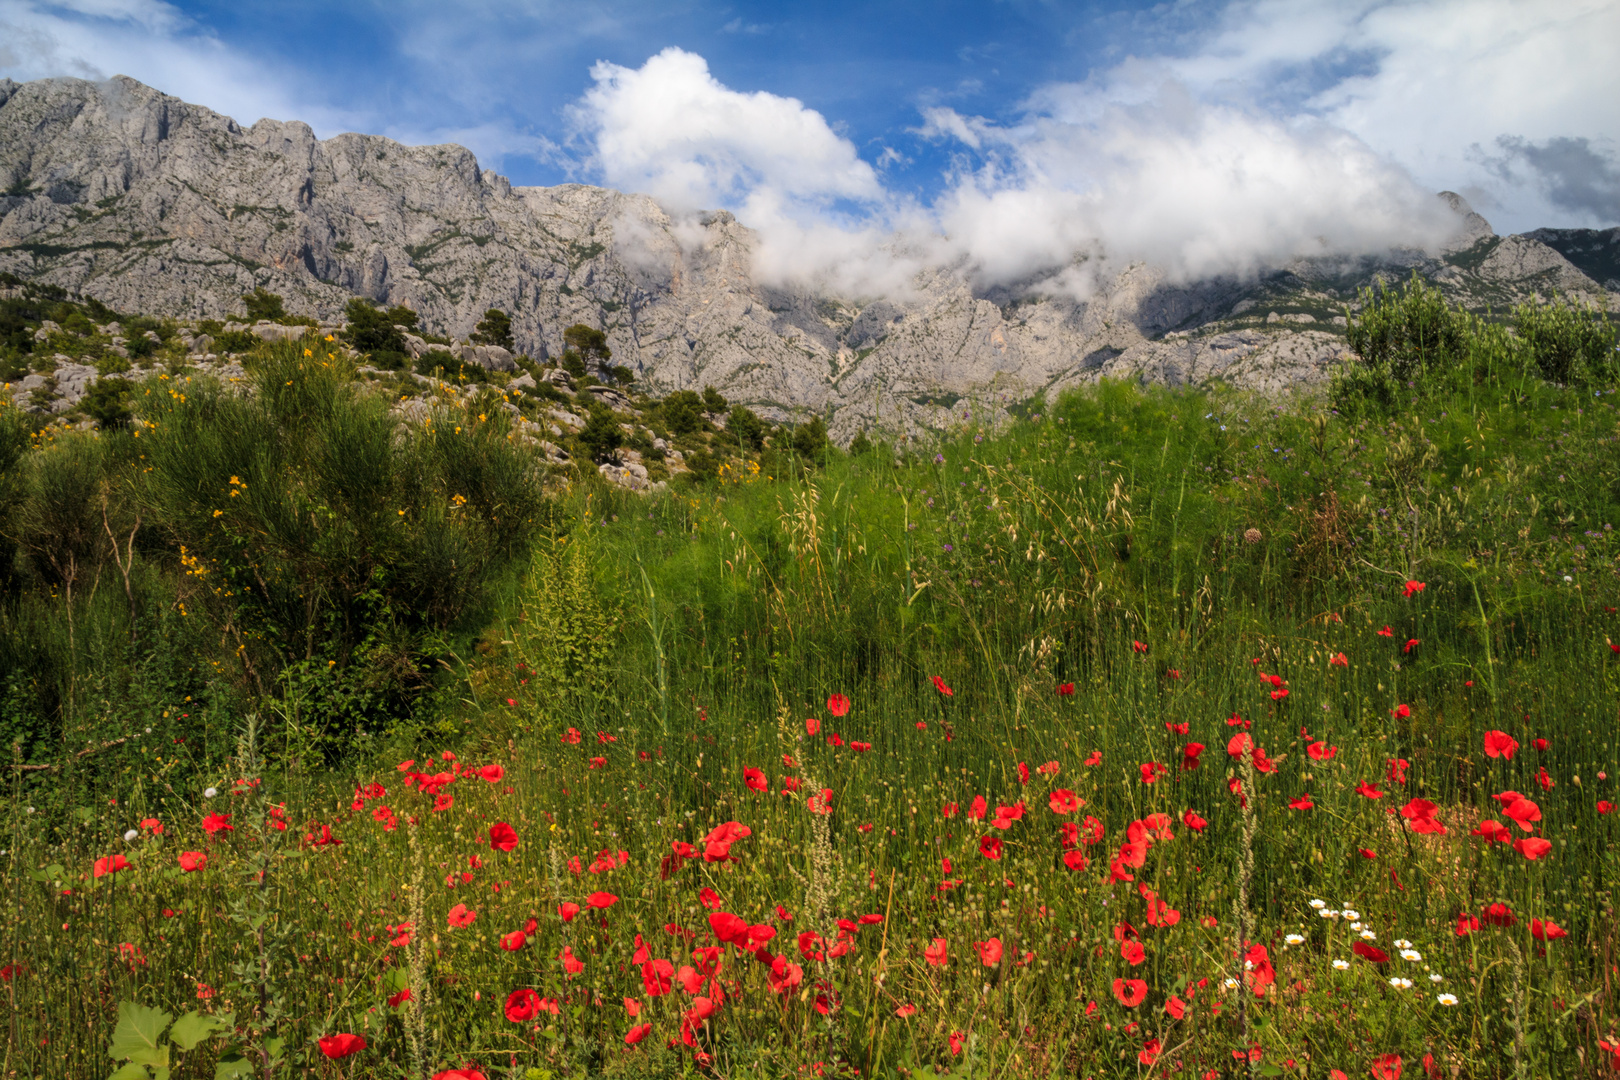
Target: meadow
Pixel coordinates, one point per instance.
(1159, 733)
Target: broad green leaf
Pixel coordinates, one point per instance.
(136, 1035)
(1271, 1070)
(131, 1071)
(193, 1028)
(233, 1066)
(160, 1074)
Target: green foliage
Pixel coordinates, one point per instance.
(565, 631)
(230, 342)
(495, 328)
(1568, 344)
(601, 436)
(107, 403)
(373, 331)
(441, 364)
(745, 426)
(573, 363)
(810, 439)
(713, 400)
(264, 306)
(860, 444)
(589, 342)
(682, 412)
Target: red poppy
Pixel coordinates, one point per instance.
(110, 865)
(1370, 952)
(572, 965)
(597, 763)
(1411, 643)
(1387, 1067)
(1368, 853)
(1193, 821)
(461, 916)
(1412, 587)
(957, 1041)
(1064, 801)
(1149, 1054)
(812, 726)
(1546, 931)
(989, 951)
(400, 998)
(1321, 751)
(1130, 992)
(838, 705)
(1369, 790)
(935, 953)
(215, 823)
(502, 837)
(990, 847)
(1303, 802)
(906, 1010)
(755, 779)
(1189, 756)
(939, 684)
(1239, 744)
(1076, 860)
(1500, 744)
(1094, 759)
(1065, 689)
(1540, 744)
(1397, 770)
(493, 774)
(192, 860)
(152, 825)
(522, 1006)
(1339, 660)
(1132, 952)
(1175, 1007)
(514, 941)
(459, 1074)
(1499, 915)
(1492, 831)
(948, 810)
(1421, 814)
(1544, 780)
(1139, 646)
(636, 1034)
(1604, 806)
(1523, 812)
(977, 809)
(1023, 772)
(1152, 770)
(1466, 924)
(656, 976)
(1386, 632)
(571, 737)
(1532, 847)
(341, 1046)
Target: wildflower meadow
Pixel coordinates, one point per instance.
(1153, 733)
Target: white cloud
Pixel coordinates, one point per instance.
(157, 44)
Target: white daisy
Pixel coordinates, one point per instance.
(1347, 913)
(1357, 926)
(1318, 904)
(1402, 943)
(1326, 914)
(1230, 983)
(1368, 935)
(1341, 965)
(209, 793)
(1400, 983)
(1294, 939)
(1411, 954)
(1436, 977)
(1446, 999)
(131, 836)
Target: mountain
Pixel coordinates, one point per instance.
(150, 204)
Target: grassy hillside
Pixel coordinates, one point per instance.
(1240, 683)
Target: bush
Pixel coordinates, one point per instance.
(1569, 345)
(107, 403)
(601, 435)
(264, 306)
(495, 328)
(234, 341)
(682, 412)
(810, 439)
(439, 364)
(371, 330)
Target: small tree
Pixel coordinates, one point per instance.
(264, 305)
(591, 346)
(746, 427)
(371, 330)
(810, 439)
(495, 328)
(601, 435)
(713, 400)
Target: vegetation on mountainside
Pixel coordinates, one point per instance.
(1293, 676)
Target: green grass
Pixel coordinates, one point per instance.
(1008, 564)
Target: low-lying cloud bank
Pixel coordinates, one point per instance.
(1311, 127)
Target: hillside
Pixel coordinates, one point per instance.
(146, 203)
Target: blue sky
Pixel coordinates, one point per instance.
(1208, 135)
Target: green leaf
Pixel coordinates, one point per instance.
(193, 1028)
(1271, 1070)
(136, 1035)
(233, 1066)
(131, 1071)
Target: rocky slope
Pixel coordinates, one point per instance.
(150, 204)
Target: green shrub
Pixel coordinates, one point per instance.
(1568, 344)
(107, 403)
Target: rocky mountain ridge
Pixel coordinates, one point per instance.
(117, 191)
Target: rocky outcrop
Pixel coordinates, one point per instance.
(153, 205)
